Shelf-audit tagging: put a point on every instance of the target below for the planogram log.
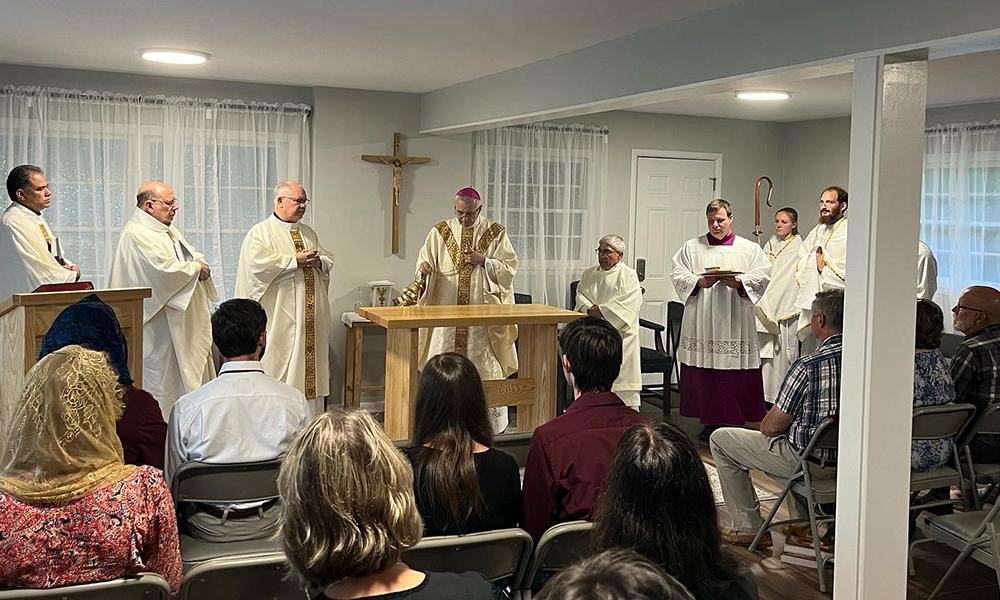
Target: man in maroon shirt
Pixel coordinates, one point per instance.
(569, 456)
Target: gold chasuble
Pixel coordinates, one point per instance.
(453, 282)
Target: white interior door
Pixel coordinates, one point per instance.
(671, 195)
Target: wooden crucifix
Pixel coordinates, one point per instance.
(397, 163)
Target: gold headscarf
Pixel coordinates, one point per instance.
(61, 444)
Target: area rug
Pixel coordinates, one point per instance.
(713, 479)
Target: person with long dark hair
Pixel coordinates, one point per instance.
(657, 501)
(462, 484)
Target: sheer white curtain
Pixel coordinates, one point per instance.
(222, 158)
(960, 209)
(545, 183)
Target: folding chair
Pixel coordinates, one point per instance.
(498, 555)
(560, 546)
(972, 534)
(815, 493)
(223, 484)
(262, 575)
(943, 422)
(144, 586)
(987, 474)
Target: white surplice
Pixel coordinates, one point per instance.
(617, 294)
(777, 314)
(177, 319)
(491, 349)
(927, 272)
(719, 329)
(28, 259)
(298, 312)
(833, 240)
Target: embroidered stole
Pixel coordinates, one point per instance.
(465, 270)
(310, 325)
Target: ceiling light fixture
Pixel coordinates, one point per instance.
(763, 95)
(172, 56)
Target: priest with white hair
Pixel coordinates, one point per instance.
(285, 268)
(611, 291)
(468, 259)
(177, 319)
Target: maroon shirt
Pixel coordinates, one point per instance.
(142, 430)
(569, 458)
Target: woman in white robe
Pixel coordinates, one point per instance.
(777, 313)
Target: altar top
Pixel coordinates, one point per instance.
(409, 317)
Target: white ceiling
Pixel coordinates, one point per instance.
(826, 92)
(393, 45)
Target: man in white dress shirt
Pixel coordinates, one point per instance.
(31, 252)
(243, 415)
(611, 291)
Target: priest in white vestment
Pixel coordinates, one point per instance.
(822, 263)
(719, 277)
(31, 253)
(177, 319)
(927, 272)
(284, 267)
(611, 291)
(777, 314)
(469, 259)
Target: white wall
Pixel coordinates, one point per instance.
(749, 148)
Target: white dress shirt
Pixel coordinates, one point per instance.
(243, 415)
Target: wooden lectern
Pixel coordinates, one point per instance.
(24, 319)
(533, 392)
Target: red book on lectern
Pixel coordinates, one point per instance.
(76, 286)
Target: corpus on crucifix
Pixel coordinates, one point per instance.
(397, 162)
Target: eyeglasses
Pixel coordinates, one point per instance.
(606, 251)
(170, 204)
(470, 213)
(299, 201)
(959, 307)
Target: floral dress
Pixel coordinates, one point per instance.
(122, 529)
(932, 386)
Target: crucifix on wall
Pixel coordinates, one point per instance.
(397, 163)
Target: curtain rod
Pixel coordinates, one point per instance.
(976, 127)
(559, 126)
(158, 100)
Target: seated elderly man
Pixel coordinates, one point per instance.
(611, 292)
(809, 393)
(975, 366)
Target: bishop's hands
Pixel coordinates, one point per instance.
(206, 271)
(307, 259)
(473, 258)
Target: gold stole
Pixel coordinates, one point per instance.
(310, 278)
(465, 270)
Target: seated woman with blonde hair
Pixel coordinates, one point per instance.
(71, 511)
(348, 513)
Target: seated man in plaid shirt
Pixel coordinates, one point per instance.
(975, 366)
(809, 393)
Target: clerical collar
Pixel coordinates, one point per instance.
(726, 241)
(25, 208)
(289, 224)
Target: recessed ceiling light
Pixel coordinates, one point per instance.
(173, 56)
(763, 95)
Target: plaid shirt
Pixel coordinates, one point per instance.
(975, 368)
(810, 392)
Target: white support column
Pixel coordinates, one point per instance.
(887, 123)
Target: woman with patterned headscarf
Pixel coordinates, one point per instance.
(71, 511)
(92, 324)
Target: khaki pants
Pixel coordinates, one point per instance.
(738, 450)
